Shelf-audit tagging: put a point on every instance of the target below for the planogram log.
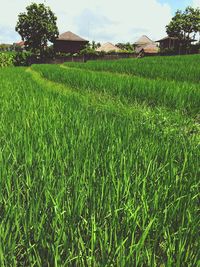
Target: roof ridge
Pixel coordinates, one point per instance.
(70, 36)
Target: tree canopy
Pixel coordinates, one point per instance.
(185, 25)
(125, 46)
(37, 26)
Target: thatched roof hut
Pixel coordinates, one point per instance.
(108, 47)
(143, 40)
(146, 45)
(171, 42)
(70, 36)
(150, 49)
(69, 42)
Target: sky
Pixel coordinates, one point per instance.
(99, 20)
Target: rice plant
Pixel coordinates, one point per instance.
(178, 68)
(171, 94)
(87, 179)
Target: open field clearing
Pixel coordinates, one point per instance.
(100, 169)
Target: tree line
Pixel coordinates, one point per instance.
(38, 26)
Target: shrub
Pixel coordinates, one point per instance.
(23, 59)
(49, 52)
(168, 51)
(6, 60)
(88, 51)
(61, 54)
(102, 53)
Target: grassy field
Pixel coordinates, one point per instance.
(99, 164)
(181, 68)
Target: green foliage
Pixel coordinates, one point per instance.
(49, 52)
(23, 59)
(168, 51)
(18, 48)
(126, 47)
(94, 45)
(184, 25)
(125, 87)
(37, 27)
(102, 53)
(88, 51)
(6, 47)
(95, 170)
(6, 60)
(63, 54)
(173, 68)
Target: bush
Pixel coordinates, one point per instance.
(88, 52)
(23, 59)
(61, 54)
(168, 51)
(125, 51)
(101, 53)
(6, 60)
(49, 52)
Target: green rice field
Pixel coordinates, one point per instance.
(99, 163)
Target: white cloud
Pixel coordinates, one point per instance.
(99, 20)
(196, 3)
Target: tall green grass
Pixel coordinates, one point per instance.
(178, 68)
(82, 184)
(171, 94)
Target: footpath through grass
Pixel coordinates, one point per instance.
(92, 177)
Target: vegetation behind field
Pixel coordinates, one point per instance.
(99, 164)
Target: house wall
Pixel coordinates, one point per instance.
(169, 43)
(69, 46)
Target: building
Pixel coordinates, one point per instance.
(174, 44)
(150, 49)
(169, 43)
(146, 45)
(108, 47)
(20, 45)
(69, 42)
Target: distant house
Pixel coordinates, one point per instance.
(108, 47)
(150, 49)
(20, 45)
(171, 43)
(146, 45)
(69, 42)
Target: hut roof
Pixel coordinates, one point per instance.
(173, 38)
(70, 36)
(166, 38)
(20, 43)
(143, 40)
(151, 49)
(108, 47)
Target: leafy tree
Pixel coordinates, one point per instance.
(185, 25)
(125, 46)
(95, 45)
(37, 26)
(90, 49)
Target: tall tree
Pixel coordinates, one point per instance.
(185, 25)
(125, 46)
(95, 45)
(37, 26)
